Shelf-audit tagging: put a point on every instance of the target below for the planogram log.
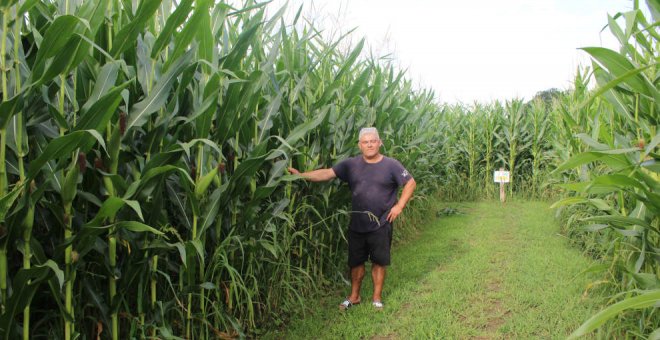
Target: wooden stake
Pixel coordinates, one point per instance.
(502, 191)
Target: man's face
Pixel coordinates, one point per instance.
(369, 145)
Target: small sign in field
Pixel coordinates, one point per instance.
(502, 177)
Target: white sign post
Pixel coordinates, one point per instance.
(502, 177)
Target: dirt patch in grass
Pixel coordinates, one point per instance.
(490, 301)
(498, 316)
(493, 308)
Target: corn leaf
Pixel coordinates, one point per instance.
(173, 22)
(579, 159)
(58, 35)
(137, 227)
(104, 82)
(74, 51)
(212, 208)
(618, 65)
(622, 221)
(303, 129)
(128, 34)
(644, 300)
(4, 4)
(25, 283)
(8, 200)
(9, 108)
(63, 146)
(107, 211)
(94, 12)
(100, 113)
(620, 181)
(158, 97)
(193, 27)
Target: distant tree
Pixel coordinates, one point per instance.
(547, 95)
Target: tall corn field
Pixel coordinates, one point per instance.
(142, 164)
(143, 148)
(476, 140)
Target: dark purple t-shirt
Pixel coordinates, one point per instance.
(374, 187)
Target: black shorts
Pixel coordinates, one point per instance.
(374, 246)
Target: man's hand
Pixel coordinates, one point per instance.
(406, 194)
(294, 171)
(394, 213)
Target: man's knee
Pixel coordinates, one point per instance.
(357, 272)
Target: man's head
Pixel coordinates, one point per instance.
(369, 142)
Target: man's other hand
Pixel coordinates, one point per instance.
(394, 213)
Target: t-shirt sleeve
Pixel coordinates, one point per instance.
(401, 175)
(341, 170)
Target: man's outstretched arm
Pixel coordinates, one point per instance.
(319, 175)
(406, 194)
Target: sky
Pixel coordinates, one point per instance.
(474, 50)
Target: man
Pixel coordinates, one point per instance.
(374, 181)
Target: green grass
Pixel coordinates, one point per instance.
(493, 271)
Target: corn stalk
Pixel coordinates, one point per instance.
(3, 156)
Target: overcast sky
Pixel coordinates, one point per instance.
(475, 50)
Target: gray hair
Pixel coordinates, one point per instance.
(367, 130)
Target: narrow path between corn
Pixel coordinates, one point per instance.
(493, 271)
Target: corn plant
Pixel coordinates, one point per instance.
(622, 183)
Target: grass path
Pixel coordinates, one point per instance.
(492, 272)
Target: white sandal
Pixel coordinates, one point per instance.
(346, 304)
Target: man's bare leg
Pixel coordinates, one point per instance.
(378, 276)
(357, 274)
